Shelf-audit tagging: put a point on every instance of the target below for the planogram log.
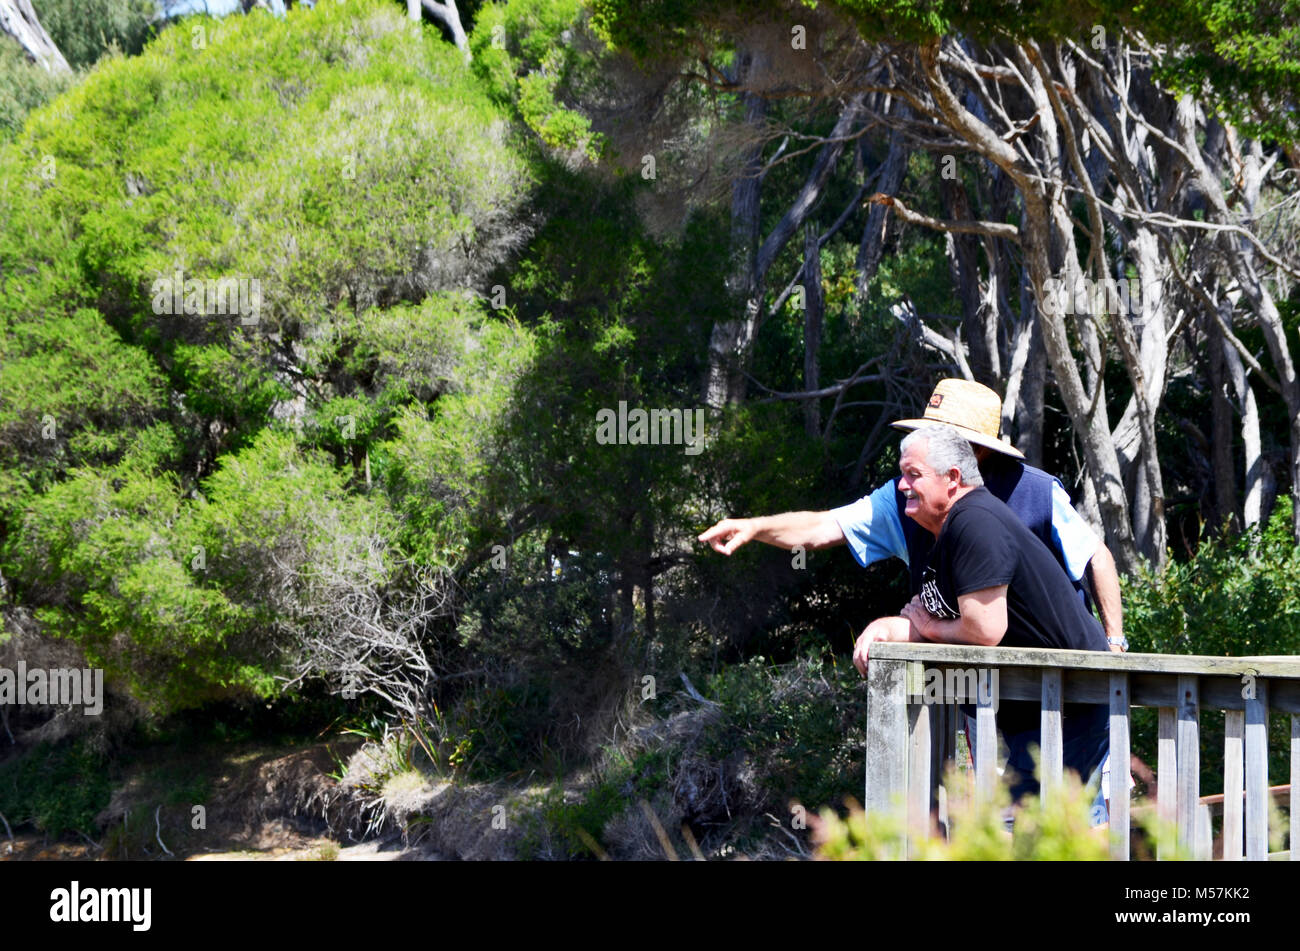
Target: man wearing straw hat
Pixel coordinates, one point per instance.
(874, 527)
(989, 582)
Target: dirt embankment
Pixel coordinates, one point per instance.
(259, 803)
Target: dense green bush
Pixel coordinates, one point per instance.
(181, 600)
(802, 725)
(83, 32)
(55, 788)
(24, 86)
(191, 496)
(1232, 598)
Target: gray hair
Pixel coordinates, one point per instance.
(946, 449)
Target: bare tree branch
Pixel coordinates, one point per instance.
(993, 229)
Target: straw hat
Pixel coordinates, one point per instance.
(972, 409)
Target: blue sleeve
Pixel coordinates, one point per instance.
(1076, 542)
(872, 527)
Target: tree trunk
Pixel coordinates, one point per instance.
(872, 245)
(1221, 464)
(730, 337)
(18, 19)
(1240, 255)
(447, 14)
(979, 325)
(1023, 403)
(812, 329)
(1254, 469)
(733, 340)
(1043, 221)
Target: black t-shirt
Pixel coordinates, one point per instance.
(983, 545)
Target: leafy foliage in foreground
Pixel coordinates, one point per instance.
(1055, 830)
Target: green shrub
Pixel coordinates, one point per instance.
(1235, 598)
(55, 788)
(573, 827)
(1232, 598)
(24, 86)
(802, 725)
(164, 500)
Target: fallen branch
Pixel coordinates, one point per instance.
(669, 852)
(158, 829)
(695, 694)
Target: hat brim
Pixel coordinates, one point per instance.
(978, 438)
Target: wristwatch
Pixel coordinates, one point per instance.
(1121, 642)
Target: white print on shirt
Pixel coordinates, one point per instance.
(933, 601)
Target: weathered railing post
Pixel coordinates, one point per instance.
(986, 738)
(1119, 759)
(1166, 773)
(1234, 732)
(1051, 766)
(919, 725)
(1189, 758)
(1257, 774)
(886, 746)
(1295, 787)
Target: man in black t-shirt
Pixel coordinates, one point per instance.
(990, 581)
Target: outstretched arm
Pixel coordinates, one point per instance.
(791, 529)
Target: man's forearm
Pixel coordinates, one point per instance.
(1105, 590)
(983, 619)
(956, 631)
(791, 529)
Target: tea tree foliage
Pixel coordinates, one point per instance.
(173, 480)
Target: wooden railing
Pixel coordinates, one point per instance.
(911, 729)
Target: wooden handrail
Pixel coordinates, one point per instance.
(1273, 666)
(910, 728)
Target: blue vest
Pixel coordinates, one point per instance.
(1027, 492)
